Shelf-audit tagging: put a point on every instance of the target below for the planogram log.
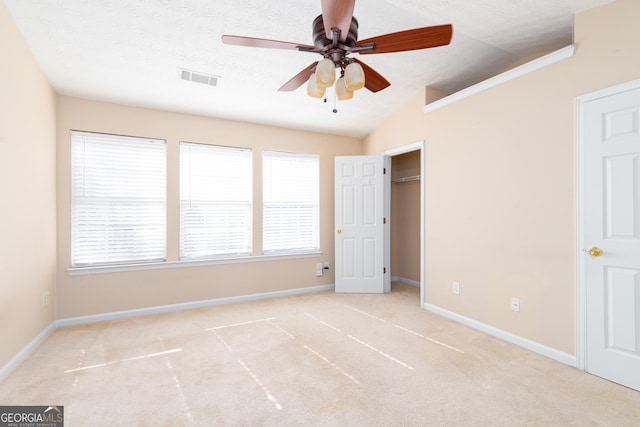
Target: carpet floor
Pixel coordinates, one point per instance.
(321, 359)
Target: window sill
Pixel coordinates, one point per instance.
(78, 271)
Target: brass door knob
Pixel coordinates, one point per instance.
(595, 251)
(339, 231)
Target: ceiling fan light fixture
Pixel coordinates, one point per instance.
(354, 76)
(325, 72)
(342, 93)
(313, 89)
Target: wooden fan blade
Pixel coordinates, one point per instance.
(372, 79)
(419, 38)
(299, 79)
(337, 14)
(256, 42)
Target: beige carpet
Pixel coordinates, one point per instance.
(315, 360)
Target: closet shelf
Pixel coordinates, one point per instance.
(408, 178)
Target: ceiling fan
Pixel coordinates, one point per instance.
(335, 37)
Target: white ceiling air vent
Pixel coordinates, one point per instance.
(194, 76)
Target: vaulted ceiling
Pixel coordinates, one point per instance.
(131, 51)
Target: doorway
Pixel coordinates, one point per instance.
(405, 208)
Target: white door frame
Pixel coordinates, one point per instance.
(581, 294)
(420, 145)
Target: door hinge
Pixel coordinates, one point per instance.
(384, 171)
(384, 220)
(384, 269)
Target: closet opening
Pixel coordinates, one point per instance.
(406, 211)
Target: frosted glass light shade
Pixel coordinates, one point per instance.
(354, 76)
(325, 72)
(342, 92)
(313, 89)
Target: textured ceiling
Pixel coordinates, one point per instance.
(130, 52)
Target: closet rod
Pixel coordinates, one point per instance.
(408, 178)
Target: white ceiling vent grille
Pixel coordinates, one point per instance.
(194, 76)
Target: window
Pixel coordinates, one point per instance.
(290, 202)
(215, 200)
(117, 199)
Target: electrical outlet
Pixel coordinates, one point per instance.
(326, 265)
(319, 269)
(456, 288)
(45, 298)
(515, 304)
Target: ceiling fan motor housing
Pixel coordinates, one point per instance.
(320, 39)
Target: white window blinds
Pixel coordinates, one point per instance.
(117, 199)
(215, 200)
(290, 202)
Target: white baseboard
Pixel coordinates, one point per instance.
(406, 281)
(13, 363)
(549, 352)
(72, 321)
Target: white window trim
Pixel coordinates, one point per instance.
(79, 271)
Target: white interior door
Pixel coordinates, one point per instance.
(359, 223)
(611, 236)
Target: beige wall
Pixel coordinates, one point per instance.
(27, 192)
(108, 292)
(500, 183)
